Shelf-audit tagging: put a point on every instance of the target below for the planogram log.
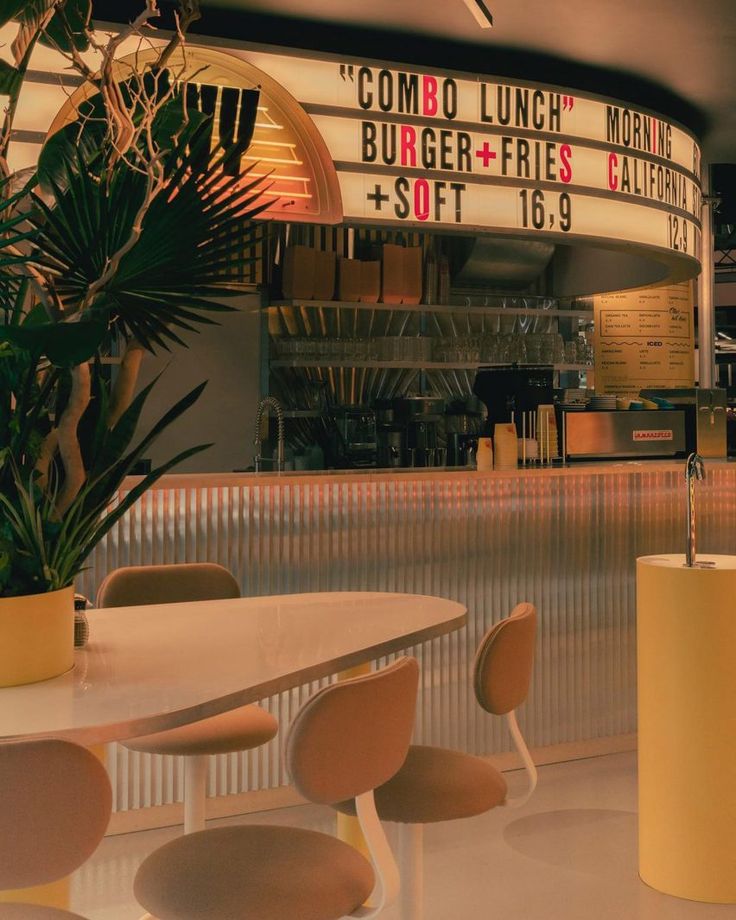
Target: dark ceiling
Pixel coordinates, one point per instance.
(675, 56)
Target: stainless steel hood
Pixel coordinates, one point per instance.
(497, 262)
(570, 269)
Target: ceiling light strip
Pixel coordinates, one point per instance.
(480, 12)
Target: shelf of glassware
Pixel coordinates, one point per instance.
(476, 310)
(416, 365)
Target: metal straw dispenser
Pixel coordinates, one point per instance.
(710, 437)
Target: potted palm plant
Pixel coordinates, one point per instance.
(130, 229)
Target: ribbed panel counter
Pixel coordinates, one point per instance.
(565, 539)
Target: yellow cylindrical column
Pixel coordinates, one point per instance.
(686, 633)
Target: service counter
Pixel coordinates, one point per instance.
(565, 539)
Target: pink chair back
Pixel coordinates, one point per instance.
(55, 803)
(166, 584)
(504, 660)
(354, 735)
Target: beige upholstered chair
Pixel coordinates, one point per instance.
(436, 784)
(238, 730)
(347, 739)
(55, 803)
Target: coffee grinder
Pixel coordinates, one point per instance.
(423, 421)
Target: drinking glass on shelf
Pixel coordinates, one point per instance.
(321, 350)
(331, 348)
(491, 349)
(508, 323)
(571, 352)
(517, 349)
(444, 349)
(348, 349)
(493, 323)
(559, 349)
(360, 349)
(533, 347)
(424, 348)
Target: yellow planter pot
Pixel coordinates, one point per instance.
(36, 636)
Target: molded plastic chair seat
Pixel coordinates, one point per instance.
(263, 873)
(239, 730)
(247, 727)
(36, 912)
(55, 803)
(436, 784)
(346, 740)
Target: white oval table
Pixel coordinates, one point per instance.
(150, 668)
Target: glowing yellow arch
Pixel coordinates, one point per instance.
(285, 142)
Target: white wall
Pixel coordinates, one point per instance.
(228, 356)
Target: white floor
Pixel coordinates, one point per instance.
(569, 854)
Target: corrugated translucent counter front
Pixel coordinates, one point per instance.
(566, 540)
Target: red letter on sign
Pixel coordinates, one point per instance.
(429, 96)
(421, 199)
(408, 146)
(566, 165)
(612, 164)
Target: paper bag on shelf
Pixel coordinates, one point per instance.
(392, 273)
(412, 288)
(370, 281)
(324, 276)
(349, 280)
(300, 266)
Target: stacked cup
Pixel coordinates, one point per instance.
(505, 446)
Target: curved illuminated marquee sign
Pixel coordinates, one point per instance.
(463, 152)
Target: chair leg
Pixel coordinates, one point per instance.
(195, 792)
(526, 757)
(411, 866)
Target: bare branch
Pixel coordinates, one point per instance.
(69, 449)
(122, 393)
(189, 13)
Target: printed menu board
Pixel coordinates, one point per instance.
(644, 338)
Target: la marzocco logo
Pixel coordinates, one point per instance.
(654, 434)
